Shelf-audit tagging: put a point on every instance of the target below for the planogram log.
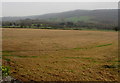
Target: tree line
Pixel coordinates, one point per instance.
(28, 23)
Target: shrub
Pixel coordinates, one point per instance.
(5, 70)
(116, 28)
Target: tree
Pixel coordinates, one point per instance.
(116, 28)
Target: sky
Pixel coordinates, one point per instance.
(60, 0)
(39, 8)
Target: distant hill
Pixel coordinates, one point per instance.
(92, 16)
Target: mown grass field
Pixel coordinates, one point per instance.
(61, 55)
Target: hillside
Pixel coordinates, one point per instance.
(92, 16)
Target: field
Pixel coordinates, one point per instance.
(61, 55)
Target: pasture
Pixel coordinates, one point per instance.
(60, 55)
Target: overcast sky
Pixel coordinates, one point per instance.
(39, 8)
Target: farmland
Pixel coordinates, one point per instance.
(60, 55)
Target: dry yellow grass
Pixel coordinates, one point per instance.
(61, 55)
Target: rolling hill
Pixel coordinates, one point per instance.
(107, 16)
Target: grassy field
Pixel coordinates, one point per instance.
(61, 55)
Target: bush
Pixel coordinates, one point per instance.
(116, 28)
(5, 70)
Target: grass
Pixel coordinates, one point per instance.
(7, 59)
(79, 48)
(7, 51)
(78, 57)
(117, 61)
(20, 56)
(87, 58)
(72, 57)
(27, 56)
(104, 45)
(95, 29)
(111, 66)
(7, 55)
(93, 47)
(71, 71)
